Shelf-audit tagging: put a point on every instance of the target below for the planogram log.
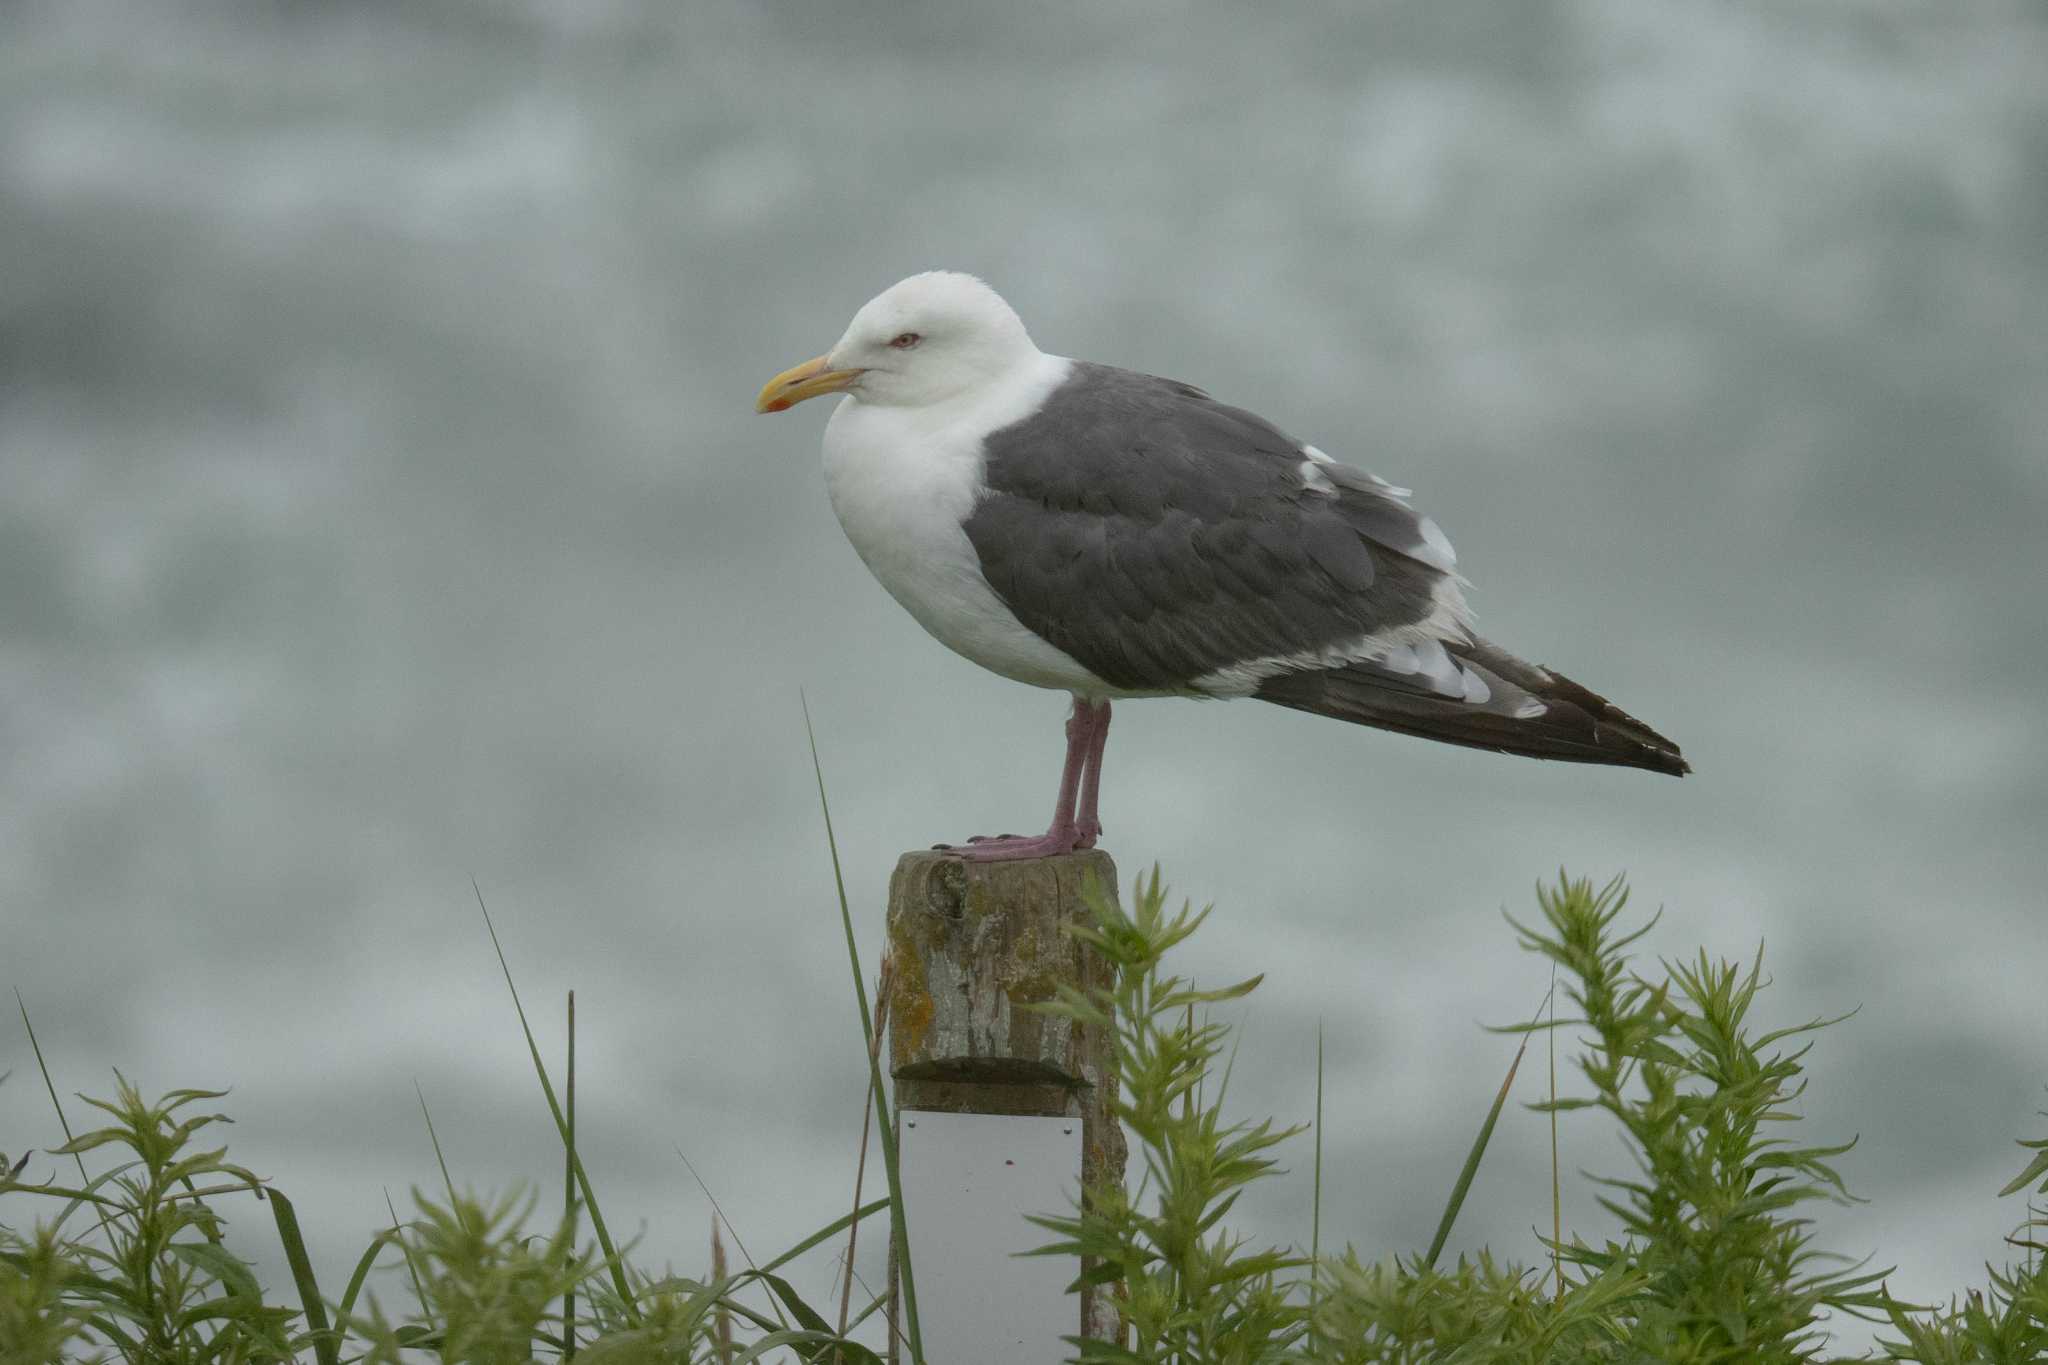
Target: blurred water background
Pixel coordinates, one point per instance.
(383, 508)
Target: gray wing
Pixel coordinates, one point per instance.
(1157, 536)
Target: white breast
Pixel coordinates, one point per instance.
(903, 480)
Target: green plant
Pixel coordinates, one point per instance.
(1191, 1290)
(483, 1290)
(2002, 1325)
(38, 1319)
(1715, 1260)
(159, 1283)
(1728, 1269)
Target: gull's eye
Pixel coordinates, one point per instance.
(903, 341)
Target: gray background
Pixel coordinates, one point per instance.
(383, 507)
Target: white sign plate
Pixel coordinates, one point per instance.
(968, 1182)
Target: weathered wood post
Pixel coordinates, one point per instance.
(990, 1097)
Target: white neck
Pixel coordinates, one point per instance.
(903, 480)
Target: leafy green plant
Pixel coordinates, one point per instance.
(1728, 1269)
(134, 1267)
(1191, 1291)
(38, 1320)
(483, 1289)
(1715, 1259)
(2004, 1324)
(160, 1283)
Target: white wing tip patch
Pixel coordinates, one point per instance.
(1443, 673)
(1400, 659)
(1529, 708)
(1427, 661)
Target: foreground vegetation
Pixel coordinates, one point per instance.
(1716, 1261)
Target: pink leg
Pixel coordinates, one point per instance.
(1064, 836)
(1085, 820)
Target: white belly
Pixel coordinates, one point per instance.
(902, 481)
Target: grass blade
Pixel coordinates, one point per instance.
(569, 1190)
(1556, 1185)
(326, 1341)
(547, 1088)
(718, 1216)
(885, 1127)
(831, 1229)
(419, 1292)
(1315, 1235)
(50, 1085)
(345, 1310)
(435, 1138)
(1471, 1168)
(874, 1306)
(867, 1123)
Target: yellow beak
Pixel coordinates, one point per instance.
(807, 380)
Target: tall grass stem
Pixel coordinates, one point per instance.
(629, 1305)
(569, 1188)
(884, 1123)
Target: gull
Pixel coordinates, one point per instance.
(1115, 535)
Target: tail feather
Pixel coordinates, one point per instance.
(1528, 710)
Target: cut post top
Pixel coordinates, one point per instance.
(971, 944)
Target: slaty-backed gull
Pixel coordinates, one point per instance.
(1112, 534)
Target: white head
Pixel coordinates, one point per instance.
(920, 341)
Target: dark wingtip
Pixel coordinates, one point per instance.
(1579, 726)
(1634, 752)
(1639, 746)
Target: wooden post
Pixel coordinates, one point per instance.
(971, 942)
